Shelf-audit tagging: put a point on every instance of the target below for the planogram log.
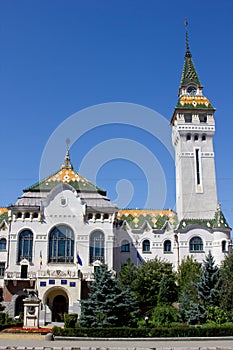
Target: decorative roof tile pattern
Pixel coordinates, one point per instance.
(3, 215)
(219, 221)
(66, 176)
(189, 73)
(136, 218)
(194, 102)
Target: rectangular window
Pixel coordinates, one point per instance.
(188, 118)
(198, 179)
(2, 269)
(198, 167)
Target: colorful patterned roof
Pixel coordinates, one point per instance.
(66, 176)
(189, 73)
(155, 218)
(3, 215)
(196, 101)
(219, 221)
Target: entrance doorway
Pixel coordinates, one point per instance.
(60, 306)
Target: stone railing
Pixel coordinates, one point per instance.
(57, 273)
(14, 275)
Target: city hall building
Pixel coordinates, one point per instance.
(59, 230)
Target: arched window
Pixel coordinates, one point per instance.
(97, 246)
(25, 245)
(196, 244)
(224, 246)
(98, 216)
(167, 246)
(125, 247)
(188, 137)
(203, 137)
(146, 246)
(196, 137)
(61, 245)
(106, 216)
(3, 244)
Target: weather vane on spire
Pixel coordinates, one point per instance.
(188, 53)
(67, 143)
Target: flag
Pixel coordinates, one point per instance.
(41, 262)
(79, 261)
(139, 257)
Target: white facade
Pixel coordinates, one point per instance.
(61, 229)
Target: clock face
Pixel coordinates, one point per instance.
(192, 90)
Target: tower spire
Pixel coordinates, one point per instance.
(67, 163)
(187, 53)
(189, 73)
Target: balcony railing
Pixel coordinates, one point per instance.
(13, 275)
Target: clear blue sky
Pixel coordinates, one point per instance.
(58, 57)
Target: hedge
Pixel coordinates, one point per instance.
(157, 332)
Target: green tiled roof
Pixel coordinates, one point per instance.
(3, 217)
(154, 219)
(66, 176)
(189, 73)
(219, 221)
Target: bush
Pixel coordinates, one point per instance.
(158, 332)
(2, 318)
(164, 315)
(70, 320)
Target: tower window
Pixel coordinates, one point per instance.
(188, 118)
(203, 118)
(188, 137)
(203, 138)
(197, 167)
(195, 137)
(98, 216)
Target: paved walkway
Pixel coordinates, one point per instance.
(30, 341)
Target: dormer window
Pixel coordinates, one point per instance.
(203, 118)
(188, 118)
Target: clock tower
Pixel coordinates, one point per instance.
(193, 129)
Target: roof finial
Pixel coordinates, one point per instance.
(67, 163)
(188, 53)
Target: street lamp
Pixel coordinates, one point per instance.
(146, 320)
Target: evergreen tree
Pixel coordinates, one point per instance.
(167, 290)
(187, 275)
(194, 303)
(107, 305)
(226, 292)
(127, 274)
(208, 285)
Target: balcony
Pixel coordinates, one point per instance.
(57, 273)
(15, 275)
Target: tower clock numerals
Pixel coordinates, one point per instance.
(192, 90)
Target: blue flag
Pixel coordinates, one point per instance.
(79, 261)
(139, 257)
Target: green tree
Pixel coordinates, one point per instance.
(107, 304)
(188, 272)
(127, 274)
(193, 307)
(226, 291)
(167, 290)
(147, 281)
